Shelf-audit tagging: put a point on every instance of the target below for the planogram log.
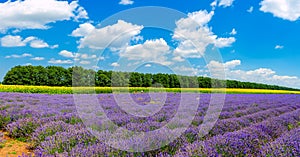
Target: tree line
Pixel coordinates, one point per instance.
(78, 76)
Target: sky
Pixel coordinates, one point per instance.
(256, 41)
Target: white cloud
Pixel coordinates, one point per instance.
(37, 14)
(213, 4)
(126, 2)
(264, 75)
(115, 64)
(226, 3)
(264, 72)
(194, 35)
(78, 56)
(250, 10)
(148, 65)
(279, 47)
(54, 46)
(150, 51)
(84, 62)
(193, 21)
(86, 56)
(81, 13)
(83, 30)
(19, 56)
(38, 44)
(285, 9)
(54, 61)
(187, 49)
(67, 54)
(280, 78)
(38, 58)
(219, 70)
(190, 71)
(178, 59)
(114, 36)
(232, 64)
(12, 41)
(29, 39)
(101, 58)
(260, 75)
(233, 32)
(17, 41)
(224, 42)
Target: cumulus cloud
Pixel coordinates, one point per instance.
(18, 41)
(126, 2)
(232, 64)
(86, 56)
(54, 46)
(279, 47)
(54, 61)
(38, 58)
(37, 14)
(189, 71)
(218, 69)
(148, 65)
(194, 35)
(115, 64)
(83, 30)
(178, 59)
(233, 32)
(114, 36)
(19, 56)
(38, 44)
(224, 42)
(12, 41)
(221, 3)
(67, 54)
(250, 10)
(226, 3)
(213, 4)
(288, 10)
(260, 75)
(84, 62)
(80, 13)
(265, 75)
(150, 51)
(78, 56)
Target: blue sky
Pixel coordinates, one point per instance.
(253, 41)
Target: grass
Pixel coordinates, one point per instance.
(90, 90)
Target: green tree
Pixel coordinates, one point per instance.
(135, 80)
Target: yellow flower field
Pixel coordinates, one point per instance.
(71, 90)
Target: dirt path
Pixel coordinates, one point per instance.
(13, 148)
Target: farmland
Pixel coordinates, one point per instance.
(247, 125)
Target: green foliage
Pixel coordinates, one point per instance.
(4, 120)
(24, 131)
(79, 77)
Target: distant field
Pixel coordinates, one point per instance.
(71, 90)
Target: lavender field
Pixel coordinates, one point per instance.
(248, 125)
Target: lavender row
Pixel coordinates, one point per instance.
(233, 124)
(286, 145)
(245, 142)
